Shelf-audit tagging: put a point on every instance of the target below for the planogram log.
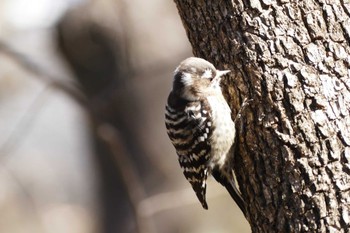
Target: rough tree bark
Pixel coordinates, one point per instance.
(292, 59)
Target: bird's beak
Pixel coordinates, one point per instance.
(219, 74)
(222, 72)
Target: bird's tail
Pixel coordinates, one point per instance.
(232, 188)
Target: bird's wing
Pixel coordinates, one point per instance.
(189, 133)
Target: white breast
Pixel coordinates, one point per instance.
(224, 130)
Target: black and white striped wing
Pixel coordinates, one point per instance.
(189, 131)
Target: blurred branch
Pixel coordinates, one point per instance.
(128, 174)
(160, 202)
(26, 198)
(107, 133)
(42, 74)
(20, 130)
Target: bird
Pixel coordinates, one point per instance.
(199, 124)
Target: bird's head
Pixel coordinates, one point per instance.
(196, 77)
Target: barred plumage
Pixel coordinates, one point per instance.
(189, 131)
(199, 124)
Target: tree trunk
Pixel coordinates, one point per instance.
(292, 59)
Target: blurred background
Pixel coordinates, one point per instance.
(83, 146)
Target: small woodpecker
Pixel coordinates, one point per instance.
(199, 125)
